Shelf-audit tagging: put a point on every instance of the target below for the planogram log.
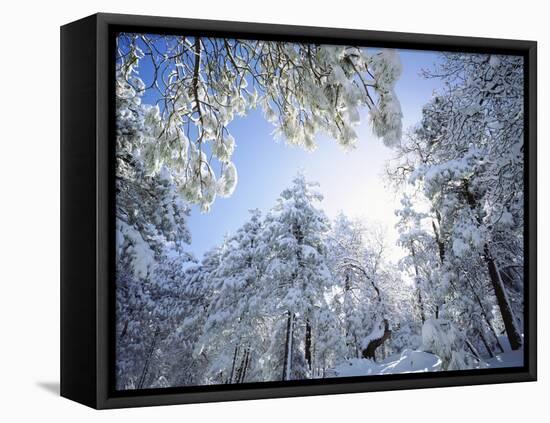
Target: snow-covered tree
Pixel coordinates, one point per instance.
(465, 161)
(345, 257)
(442, 338)
(150, 230)
(296, 278)
(183, 364)
(353, 299)
(150, 213)
(148, 311)
(233, 331)
(166, 148)
(365, 288)
(292, 295)
(202, 83)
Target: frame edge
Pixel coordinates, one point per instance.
(107, 21)
(77, 212)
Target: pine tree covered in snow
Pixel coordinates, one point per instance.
(234, 327)
(148, 312)
(296, 278)
(465, 158)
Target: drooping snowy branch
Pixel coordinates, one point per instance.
(199, 85)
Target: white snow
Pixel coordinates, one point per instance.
(414, 361)
(409, 361)
(494, 61)
(377, 333)
(143, 258)
(506, 359)
(459, 247)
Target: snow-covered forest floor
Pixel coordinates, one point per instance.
(293, 294)
(416, 361)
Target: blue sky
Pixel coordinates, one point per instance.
(350, 181)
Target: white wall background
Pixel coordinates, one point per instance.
(29, 211)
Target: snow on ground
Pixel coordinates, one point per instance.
(507, 359)
(409, 361)
(413, 361)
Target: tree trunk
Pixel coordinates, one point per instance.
(246, 361)
(308, 344)
(143, 377)
(241, 371)
(287, 362)
(506, 312)
(483, 313)
(349, 345)
(508, 318)
(439, 242)
(441, 249)
(370, 351)
(486, 344)
(418, 290)
(421, 305)
(473, 349)
(233, 364)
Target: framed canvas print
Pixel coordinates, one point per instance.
(254, 211)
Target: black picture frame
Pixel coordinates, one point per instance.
(87, 198)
